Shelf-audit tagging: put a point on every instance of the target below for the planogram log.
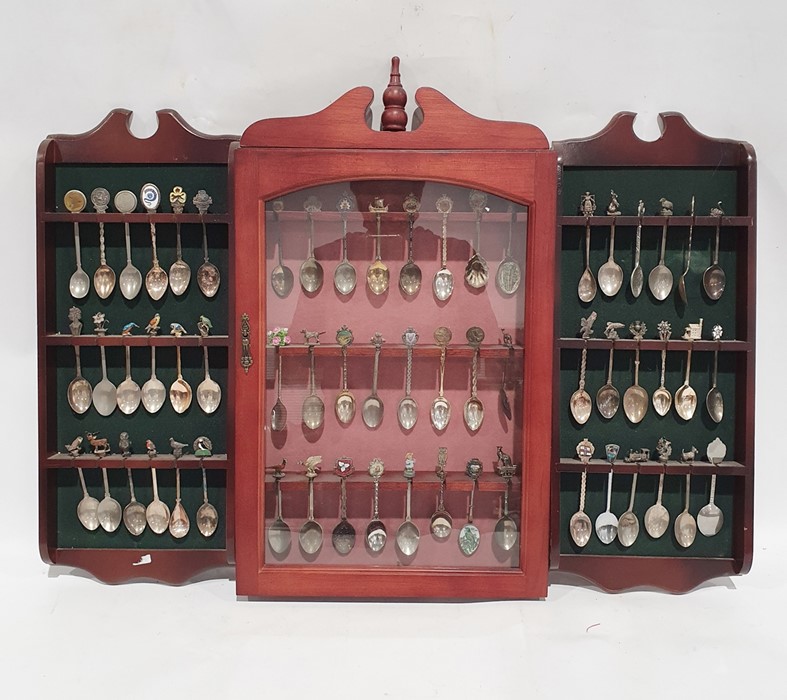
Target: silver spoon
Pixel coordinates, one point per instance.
(154, 393)
(372, 409)
(208, 391)
(579, 526)
(607, 522)
(713, 279)
(207, 515)
(628, 525)
(470, 535)
(311, 273)
(344, 276)
(310, 536)
(157, 512)
(408, 535)
(208, 276)
(104, 276)
(580, 403)
(79, 393)
(682, 280)
(79, 284)
(345, 401)
(637, 276)
(179, 271)
(130, 277)
(377, 275)
(660, 277)
(441, 409)
(109, 512)
(279, 535)
(128, 392)
(714, 401)
(104, 393)
(281, 275)
(179, 390)
(506, 530)
(343, 535)
(509, 274)
(685, 525)
(474, 407)
(376, 534)
(586, 288)
(156, 281)
(313, 409)
(635, 400)
(279, 411)
(610, 274)
(441, 522)
(608, 397)
(662, 399)
(685, 396)
(87, 508)
(134, 512)
(657, 516)
(710, 519)
(505, 404)
(407, 412)
(477, 269)
(443, 282)
(410, 274)
(179, 524)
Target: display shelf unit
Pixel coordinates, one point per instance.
(451, 153)
(682, 164)
(110, 156)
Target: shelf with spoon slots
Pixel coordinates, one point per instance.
(655, 344)
(399, 350)
(136, 218)
(59, 460)
(727, 467)
(369, 219)
(653, 221)
(456, 481)
(137, 340)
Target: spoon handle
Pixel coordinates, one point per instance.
(663, 241)
(611, 359)
(204, 239)
(583, 490)
(376, 500)
(633, 490)
(103, 362)
(131, 485)
(77, 246)
(688, 364)
(716, 249)
(612, 241)
(153, 243)
(661, 488)
(128, 243)
(106, 482)
(311, 498)
(155, 483)
(712, 488)
(207, 367)
(688, 490)
(101, 246)
(82, 482)
(609, 491)
(343, 500)
(715, 366)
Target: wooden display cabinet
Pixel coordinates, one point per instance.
(109, 156)
(284, 166)
(681, 164)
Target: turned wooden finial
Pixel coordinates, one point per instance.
(394, 117)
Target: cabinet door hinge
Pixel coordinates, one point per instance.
(246, 359)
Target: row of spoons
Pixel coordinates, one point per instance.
(130, 279)
(128, 395)
(108, 513)
(378, 275)
(608, 526)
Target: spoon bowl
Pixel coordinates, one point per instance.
(157, 512)
(710, 519)
(128, 392)
(311, 272)
(607, 522)
(208, 391)
(87, 508)
(657, 516)
(685, 525)
(586, 288)
(610, 274)
(179, 391)
(154, 393)
(134, 512)
(109, 511)
(104, 393)
(79, 392)
(660, 278)
(179, 524)
(608, 397)
(685, 396)
(628, 525)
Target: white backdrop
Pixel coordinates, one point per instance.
(566, 67)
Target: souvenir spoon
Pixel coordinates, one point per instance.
(179, 271)
(714, 401)
(443, 282)
(87, 508)
(134, 512)
(628, 525)
(441, 409)
(410, 274)
(682, 280)
(441, 523)
(104, 393)
(408, 535)
(610, 274)
(713, 279)
(607, 522)
(407, 412)
(509, 274)
(345, 401)
(586, 289)
(376, 534)
(343, 536)
(179, 524)
(104, 276)
(157, 512)
(657, 516)
(685, 525)
(506, 531)
(477, 269)
(310, 536)
(279, 535)
(580, 403)
(207, 515)
(279, 411)
(208, 275)
(474, 408)
(637, 276)
(660, 277)
(281, 276)
(79, 393)
(208, 391)
(154, 393)
(313, 409)
(128, 392)
(372, 409)
(470, 535)
(179, 391)
(130, 281)
(156, 280)
(579, 526)
(311, 273)
(378, 275)
(710, 519)
(344, 276)
(662, 399)
(635, 400)
(79, 284)
(685, 396)
(608, 397)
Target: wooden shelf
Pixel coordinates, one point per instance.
(323, 350)
(55, 339)
(652, 221)
(369, 219)
(456, 481)
(651, 467)
(649, 344)
(60, 460)
(135, 218)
